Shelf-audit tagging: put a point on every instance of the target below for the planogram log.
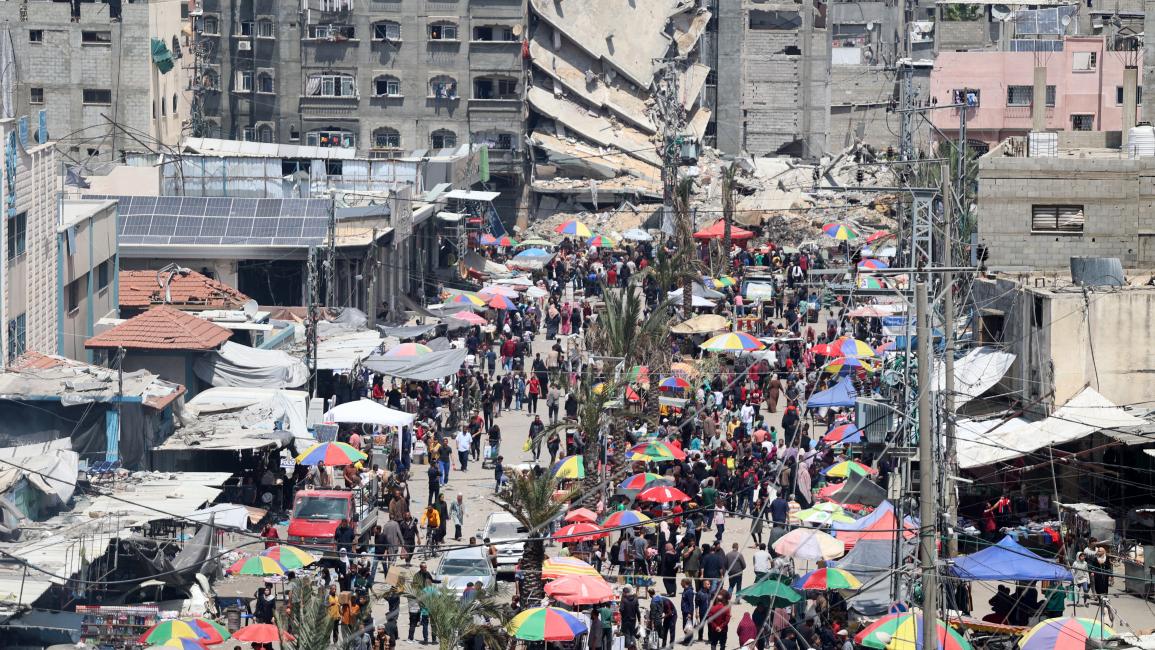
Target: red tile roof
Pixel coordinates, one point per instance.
(33, 360)
(140, 290)
(162, 328)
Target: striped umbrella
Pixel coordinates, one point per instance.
(843, 434)
(877, 235)
(570, 467)
(824, 515)
(663, 494)
(470, 318)
(827, 579)
(466, 299)
(407, 350)
(490, 240)
(1065, 633)
(174, 629)
(639, 482)
(217, 632)
(579, 532)
(581, 514)
(546, 624)
(869, 282)
(602, 241)
(334, 454)
(809, 544)
(848, 364)
(683, 369)
(733, 342)
(497, 290)
(575, 228)
(655, 451)
(638, 374)
(536, 241)
(181, 643)
(290, 557)
(623, 518)
(904, 632)
(850, 347)
(872, 264)
(673, 383)
(839, 231)
(847, 468)
(257, 565)
(500, 302)
(556, 567)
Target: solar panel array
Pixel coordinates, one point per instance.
(1043, 21)
(1028, 45)
(205, 221)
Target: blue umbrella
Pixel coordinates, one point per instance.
(532, 252)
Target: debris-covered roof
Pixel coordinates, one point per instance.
(162, 328)
(35, 375)
(143, 289)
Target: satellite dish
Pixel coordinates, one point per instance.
(517, 30)
(250, 308)
(870, 26)
(1000, 12)
(1065, 20)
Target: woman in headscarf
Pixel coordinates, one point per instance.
(566, 313)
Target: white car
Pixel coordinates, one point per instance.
(463, 566)
(508, 535)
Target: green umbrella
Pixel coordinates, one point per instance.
(771, 592)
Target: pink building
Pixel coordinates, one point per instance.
(1084, 89)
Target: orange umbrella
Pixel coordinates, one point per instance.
(580, 590)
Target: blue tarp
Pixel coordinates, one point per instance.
(1008, 561)
(841, 394)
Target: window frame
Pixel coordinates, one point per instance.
(449, 84)
(32, 92)
(312, 138)
(1051, 95)
(442, 134)
(263, 76)
(1056, 209)
(243, 81)
(86, 101)
(389, 80)
(17, 336)
(386, 24)
(265, 25)
(216, 23)
(1089, 117)
(1138, 95)
(17, 239)
(390, 133)
(92, 37)
(36, 37)
(443, 26)
(336, 81)
(1092, 62)
(75, 292)
(103, 277)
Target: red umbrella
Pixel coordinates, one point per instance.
(262, 633)
(580, 590)
(579, 532)
(877, 235)
(663, 494)
(581, 515)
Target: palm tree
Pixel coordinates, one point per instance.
(530, 500)
(308, 619)
(622, 330)
(454, 619)
(686, 262)
(728, 175)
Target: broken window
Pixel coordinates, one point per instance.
(96, 38)
(493, 33)
(495, 88)
(1057, 218)
(387, 31)
(776, 20)
(387, 87)
(792, 50)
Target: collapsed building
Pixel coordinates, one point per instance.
(593, 119)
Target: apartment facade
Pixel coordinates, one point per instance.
(109, 76)
(383, 77)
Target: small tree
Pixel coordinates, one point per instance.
(454, 619)
(530, 500)
(308, 619)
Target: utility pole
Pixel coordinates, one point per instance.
(928, 501)
(311, 322)
(950, 451)
(331, 256)
(670, 115)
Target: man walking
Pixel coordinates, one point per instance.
(737, 565)
(457, 513)
(464, 443)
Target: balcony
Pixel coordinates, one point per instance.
(324, 106)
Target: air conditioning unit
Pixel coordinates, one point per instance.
(874, 418)
(245, 46)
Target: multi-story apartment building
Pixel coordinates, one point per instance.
(108, 75)
(383, 76)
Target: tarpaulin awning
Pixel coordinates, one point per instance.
(427, 367)
(224, 515)
(718, 231)
(858, 490)
(406, 331)
(703, 324)
(981, 443)
(161, 56)
(1008, 561)
(366, 411)
(242, 366)
(975, 373)
(841, 394)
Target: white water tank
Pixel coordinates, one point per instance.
(1042, 144)
(1141, 141)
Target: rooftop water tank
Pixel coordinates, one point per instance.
(1141, 141)
(1097, 271)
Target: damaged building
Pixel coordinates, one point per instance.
(592, 120)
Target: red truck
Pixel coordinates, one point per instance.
(318, 513)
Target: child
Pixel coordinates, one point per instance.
(1082, 575)
(498, 473)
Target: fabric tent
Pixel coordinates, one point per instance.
(406, 331)
(878, 525)
(1008, 561)
(695, 300)
(241, 366)
(427, 367)
(872, 562)
(703, 324)
(718, 231)
(841, 394)
(859, 490)
(975, 373)
(366, 411)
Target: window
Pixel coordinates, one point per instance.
(294, 133)
(243, 81)
(489, 88)
(495, 140)
(17, 235)
(443, 87)
(1084, 61)
(443, 139)
(1119, 95)
(334, 167)
(1057, 218)
(969, 96)
(248, 134)
(210, 80)
(442, 32)
(493, 33)
(35, 95)
(96, 38)
(97, 96)
(163, 108)
(264, 29)
(336, 5)
(265, 82)
(332, 32)
(76, 290)
(247, 28)
(386, 139)
(17, 337)
(36, 36)
(174, 103)
(775, 20)
(265, 133)
(387, 87)
(330, 138)
(1025, 95)
(331, 85)
(1083, 122)
(102, 275)
(210, 25)
(387, 31)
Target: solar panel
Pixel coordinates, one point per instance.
(215, 221)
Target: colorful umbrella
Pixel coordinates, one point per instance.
(575, 228)
(732, 342)
(580, 590)
(904, 632)
(663, 494)
(872, 264)
(638, 374)
(809, 544)
(490, 240)
(466, 299)
(217, 632)
(487, 239)
(500, 302)
(602, 241)
(848, 467)
(639, 482)
(673, 383)
(497, 290)
(333, 454)
(827, 579)
(262, 633)
(839, 231)
(183, 644)
(289, 557)
(656, 451)
(824, 514)
(843, 434)
(683, 369)
(623, 518)
(847, 364)
(632, 395)
(536, 241)
(570, 467)
(257, 565)
(581, 514)
(407, 350)
(771, 592)
(579, 532)
(470, 317)
(556, 567)
(848, 347)
(546, 624)
(1065, 633)
(870, 282)
(174, 629)
(877, 235)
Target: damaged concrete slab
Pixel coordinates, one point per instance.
(693, 80)
(576, 159)
(593, 127)
(688, 29)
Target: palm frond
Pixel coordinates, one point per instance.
(453, 619)
(530, 500)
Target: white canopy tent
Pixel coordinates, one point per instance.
(366, 411)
